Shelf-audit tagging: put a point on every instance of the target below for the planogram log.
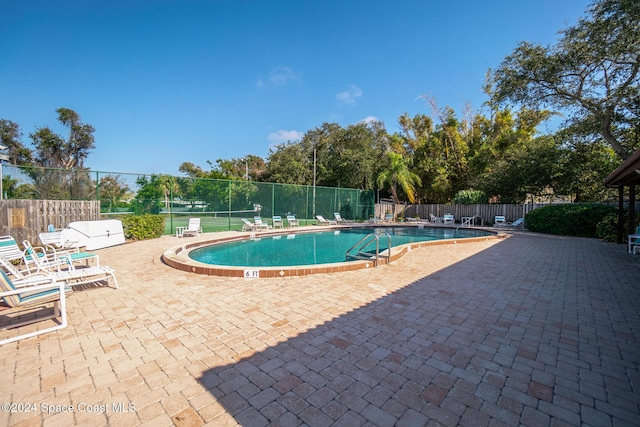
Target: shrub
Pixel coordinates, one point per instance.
(607, 229)
(470, 197)
(142, 227)
(569, 220)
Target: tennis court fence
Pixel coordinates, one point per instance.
(219, 203)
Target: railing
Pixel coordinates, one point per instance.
(364, 243)
(468, 221)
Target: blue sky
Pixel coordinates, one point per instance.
(166, 82)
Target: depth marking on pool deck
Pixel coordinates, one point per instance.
(178, 257)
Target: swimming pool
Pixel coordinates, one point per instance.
(279, 254)
(319, 247)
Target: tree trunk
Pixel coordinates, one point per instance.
(605, 131)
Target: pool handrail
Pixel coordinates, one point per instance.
(364, 242)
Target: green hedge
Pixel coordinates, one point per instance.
(142, 227)
(569, 220)
(607, 229)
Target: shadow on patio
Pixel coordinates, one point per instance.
(533, 330)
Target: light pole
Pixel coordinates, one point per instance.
(314, 178)
(3, 157)
(246, 169)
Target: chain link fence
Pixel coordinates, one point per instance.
(219, 203)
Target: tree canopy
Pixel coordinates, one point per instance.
(10, 135)
(398, 174)
(53, 150)
(592, 73)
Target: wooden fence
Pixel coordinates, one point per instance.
(25, 219)
(485, 213)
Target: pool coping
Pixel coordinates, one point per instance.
(178, 256)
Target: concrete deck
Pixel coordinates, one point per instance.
(530, 330)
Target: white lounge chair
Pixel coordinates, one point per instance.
(19, 299)
(448, 219)
(10, 250)
(78, 276)
(48, 257)
(260, 225)
(518, 223)
(338, 218)
(293, 222)
(193, 228)
(322, 221)
(58, 240)
(60, 247)
(247, 225)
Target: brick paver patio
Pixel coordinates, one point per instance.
(530, 330)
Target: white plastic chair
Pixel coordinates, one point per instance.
(499, 221)
(293, 222)
(277, 221)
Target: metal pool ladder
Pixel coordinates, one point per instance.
(468, 222)
(364, 243)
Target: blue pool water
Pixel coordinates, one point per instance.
(320, 247)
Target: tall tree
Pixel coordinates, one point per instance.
(54, 151)
(584, 165)
(353, 155)
(13, 189)
(416, 141)
(10, 137)
(398, 174)
(112, 191)
(169, 187)
(250, 167)
(192, 170)
(147, 199)
(592, 73)
(343, 157)
(525, 169)
(61, 156)
(288, 163)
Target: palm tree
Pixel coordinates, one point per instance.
(9, 186)
(112, 191)
(168, 186)
(398, 173)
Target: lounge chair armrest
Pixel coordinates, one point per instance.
(50, 284)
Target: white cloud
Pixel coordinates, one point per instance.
(285, 135)
(369, 120)
(279, 76)
(349, 96)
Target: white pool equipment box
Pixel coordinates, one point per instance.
(95, 234)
